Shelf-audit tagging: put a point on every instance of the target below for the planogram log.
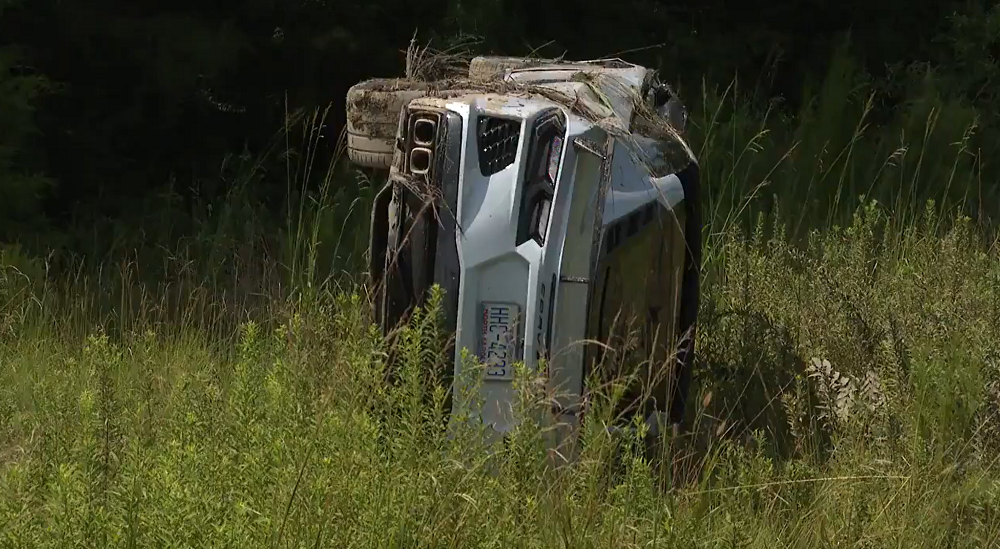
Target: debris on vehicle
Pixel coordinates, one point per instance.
(549, 199)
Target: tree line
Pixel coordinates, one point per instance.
(105, 104)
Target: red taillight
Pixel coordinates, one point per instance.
(555, 154)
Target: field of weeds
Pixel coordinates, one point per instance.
(846, 395)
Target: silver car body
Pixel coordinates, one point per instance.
(601, 181)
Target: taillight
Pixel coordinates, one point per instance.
(555, 154)
(541, 176)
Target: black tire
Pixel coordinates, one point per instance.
(370, 153)
(373, 111)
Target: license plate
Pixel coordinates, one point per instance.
(498, 342)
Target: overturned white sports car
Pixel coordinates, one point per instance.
(552, 201)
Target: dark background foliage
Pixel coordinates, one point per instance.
(113, 111)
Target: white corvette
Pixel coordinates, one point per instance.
(545, 198)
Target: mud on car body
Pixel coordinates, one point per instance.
(551, 201)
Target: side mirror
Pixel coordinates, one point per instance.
(668, 105)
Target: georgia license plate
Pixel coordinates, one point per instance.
(498, 347)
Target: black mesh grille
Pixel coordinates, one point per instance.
(497, 140)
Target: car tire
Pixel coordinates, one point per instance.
(373, 111)
(494, 67)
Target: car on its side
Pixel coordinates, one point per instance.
(548, 199)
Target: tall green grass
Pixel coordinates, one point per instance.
(289, 437)
(844, 146)
(846, 394)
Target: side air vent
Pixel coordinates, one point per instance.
(496, 140)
